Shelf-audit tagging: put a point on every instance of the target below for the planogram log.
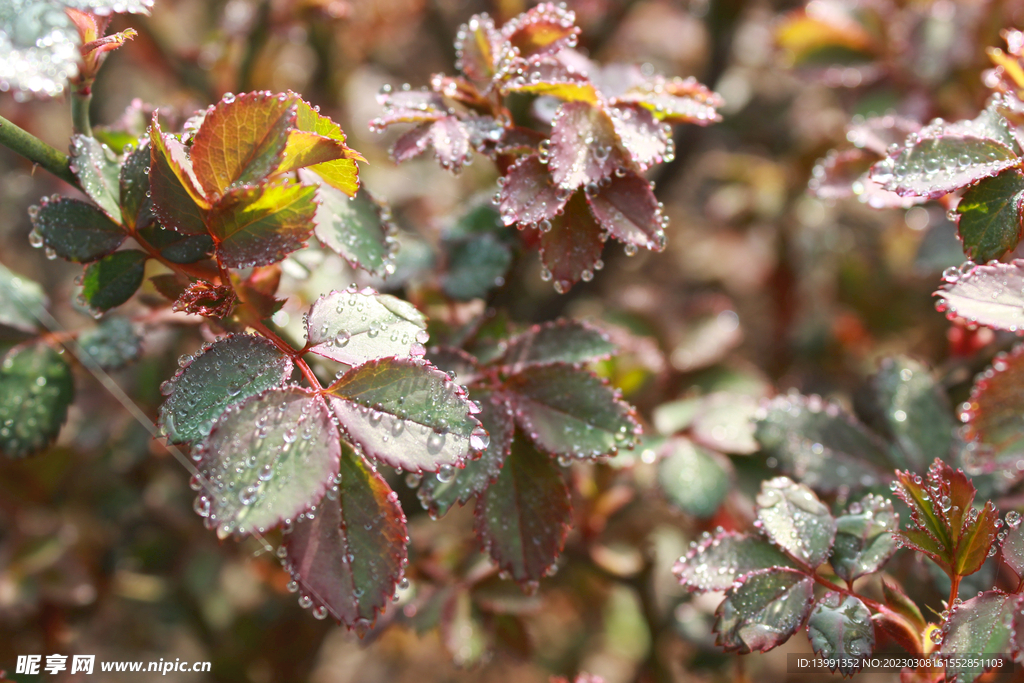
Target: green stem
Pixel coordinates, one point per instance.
(35, 150)
(80, 103)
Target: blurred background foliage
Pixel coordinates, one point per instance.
(762, 288)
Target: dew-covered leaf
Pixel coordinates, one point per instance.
(979, 629)
(543, 29)
(206, 299)
(451, 142)
(571, 248)
(864, 540)
(626, 207)
(242, 140)
(349, 558)
(112, 343)
(341, 173)
(989, 216)
(408, 414)
(408, 106)
(718, 561)
(475, 266)
(559, 341)
(764, 610)
(528, 193)
(175, 246)
(133, 186)
(476, 48)
(113, 279)
(411, 143)
(456, 363)
(22, 301)
(221, 374)
(353, 326)
(841, 631)
(820, 444)
(647, 140)
(523, 517)
(261, 224)
(994, 413)
(583, 145)
(76, 230)
(1012, 546)
(724, 421)
(36, 388)
(796, 520)
(358, 228)
(571, 412)
(834, 176)
(96, 167)
(551, 78)
(495, 415)
(694, 478)
(178, 201)
(276, 454)
(676, 100)
(991, 295)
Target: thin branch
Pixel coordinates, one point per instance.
(22, 142)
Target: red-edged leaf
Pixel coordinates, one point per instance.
(796, 520)
(359, 228)
(647, 140)
(571, 248)
(178, 201)
(476, 49)
(901, 603)
(718, 561)
(75, 230)
(461, 90)
(275, 454)
(991, 295)
(354, 326)
(764, 610)
(348, 559)
(542, 30)
(450, 139)
(559, 341)
(528, 194)
(523, 517)
(878, 133)
(677, 100)
(626, 207)
(242, 140)
(408, 106)
(570, 412)
(834, 176)
(1012, 545)
(412, 143)
(583, 145)
(518, 140)
(202, 298)
(994, 413)
(552, 78)
(261, 224)
(340, 172)
(96, 167)
(979, 629)
(841, 631)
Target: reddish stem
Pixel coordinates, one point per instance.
(286, 348)
(954, 588)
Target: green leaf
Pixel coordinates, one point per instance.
(915, 413)
(22, 301)
(725, 421)
(475, 266)
(112, 343)
(261, 224)
(694, 478)
(796, 520)
(358, 228)
(97, 169)
(36, 388)
(718, 561)
(113, 279)
(242, 140)
(561, 341)
(408, 414)
(353, 326)
(994, 413)
(978, 629)
(571, 412)
(989, 216)
(820, 444)
(523, 517)
(341, 173)
(763, 611)
(864, 540)
(841, 631)
(1012, 545)
(75, 230)
(439, 496)
(178, 201)
(176, 247)
(222, 373)
(133, 183)
(276, 454)
(349, 557)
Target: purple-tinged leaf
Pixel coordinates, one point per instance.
(990, 215)
(36, 388)
(834, 176)
(693, 478)
(275, 454)
(676, 100)
(459, 365)
(408, 414)
(542, 30)
(477, 44)
(348, 558)
(626, 207)
(554, 79)
(647, 140)
(583, 145)
(571, 248)
(450, 139)
(353, 326)
(764, 610)
(718, 561)
(796, 520)
(864, 540)
(408, 106)
(75, 230)
(528, 193)
(1012, 546)
(878, 133)
(979, 629)
(567, 411)
(871, 193)
(560, 341)
(220, 374)
(523, 517)
(724, 421)
(412, 143)
(994, 413)
(518, 140)
(95, 165)
(178, 200)
(495, 415)
(991, 295)
(841, 631)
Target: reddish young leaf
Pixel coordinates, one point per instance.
(677, 100)
(178, 201)
(242, 140)
(900, 603)
(341, 172)
(878, 133)
(348, 559)
(834, 176)
(450, 139)
(261, 224)
(571, 248)
(542, 30)
(551, 77)
(560, 341)
(523, 517)
(647, 140)
(991, 295)
(476, 49)
(519, 140)
(461, 90)
(583, 146)
(994, 413)
(626, 207)
(202, 298)
(408, 106)
(412, 143)
(528, 194)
